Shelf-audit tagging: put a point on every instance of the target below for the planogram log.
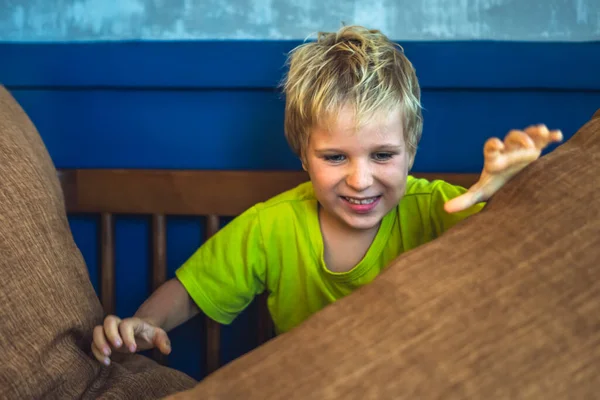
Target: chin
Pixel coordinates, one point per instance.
(363, 223)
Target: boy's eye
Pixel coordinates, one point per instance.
(382, 156)
(334, 158)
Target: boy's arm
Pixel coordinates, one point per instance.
(168, 307)
(502, 161)
(221, 292)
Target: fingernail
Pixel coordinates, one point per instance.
(106, 351)
(132, 348)
(107, 361)
(118, 343)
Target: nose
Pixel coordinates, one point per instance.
(360, 177)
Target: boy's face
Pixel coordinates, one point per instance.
(358, 175)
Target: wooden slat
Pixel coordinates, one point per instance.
(159, 263)
(107, 262)
(186, 192)
(159, 250)
(213, 329)
(265, 322)
(170, 192)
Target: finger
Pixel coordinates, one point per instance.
(493, 156)
(99, 356)
(462, 202)
(542, 128)
(100, 341)
(127, 330)
(542, 136)
(520, 150)
(111, 329)
(516, 139)
(539, 134)
(492, 150)
(556, 136)
(161, 341)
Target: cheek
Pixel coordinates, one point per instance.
(323, 178)
(394, 175)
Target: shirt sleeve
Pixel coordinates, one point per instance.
(225, 274)
(442, 220)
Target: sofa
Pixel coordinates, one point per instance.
(48, 307)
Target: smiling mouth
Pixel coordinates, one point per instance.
(362, 201)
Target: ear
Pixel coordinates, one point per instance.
(303, 161)
(411, 161)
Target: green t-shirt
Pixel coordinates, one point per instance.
(277, 246)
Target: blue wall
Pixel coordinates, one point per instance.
(69, 20)
(214, 105)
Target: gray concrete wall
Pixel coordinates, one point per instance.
(68, 20)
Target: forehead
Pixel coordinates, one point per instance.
(343, 127)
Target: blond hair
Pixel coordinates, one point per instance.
(355, 66)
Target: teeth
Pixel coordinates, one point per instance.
(363, 201)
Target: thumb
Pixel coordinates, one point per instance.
(462, 202)
(161, 341)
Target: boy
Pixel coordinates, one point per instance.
(353, 117)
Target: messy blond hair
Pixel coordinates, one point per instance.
(355, 66)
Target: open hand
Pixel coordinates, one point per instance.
(127, 336)
(503, 160)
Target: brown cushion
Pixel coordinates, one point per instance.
(505, 305)
(48, 305)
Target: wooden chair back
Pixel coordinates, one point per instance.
(159, 193)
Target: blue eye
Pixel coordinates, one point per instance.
(334, 158)
(382, 156)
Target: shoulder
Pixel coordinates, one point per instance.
(277, 208)
(287, 207)
(429, 197)
(290, 199)
(425, 188)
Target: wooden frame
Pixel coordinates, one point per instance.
(159, 193)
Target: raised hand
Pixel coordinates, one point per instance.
(503, 160)
(127, 336)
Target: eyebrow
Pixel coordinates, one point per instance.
(390, 147)
(387, 146)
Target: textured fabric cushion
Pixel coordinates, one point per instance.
(504, 305)
(48, 307)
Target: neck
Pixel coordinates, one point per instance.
(343, 246)
(333, 224)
